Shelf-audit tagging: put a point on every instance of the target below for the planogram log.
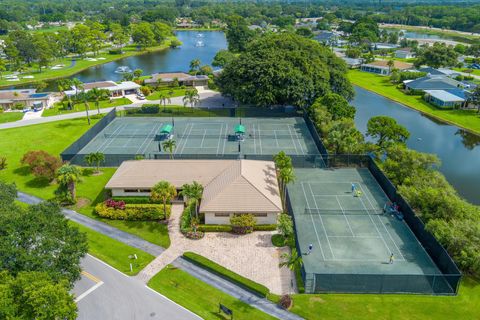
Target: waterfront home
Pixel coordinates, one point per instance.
(432, 82)
(452, 98)
(404, 53)
(381, 67)
(230, 186)
(183, 79)
(22, 98)
(116, 89)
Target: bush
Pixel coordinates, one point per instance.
(227, 274)
(135, 200)
(132, 212)
(120, 205)
(285, 301)
(278, 240)
(146, 90)
(148, 109)
(243, 223)
(115, 51)
(3, 163)
(186, 219)
(265, 227)
(41, 164)
(215, 228)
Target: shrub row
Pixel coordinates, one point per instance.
(227, 274)
(228, 228)
(132, 212)
(135, 200)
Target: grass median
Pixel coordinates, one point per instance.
(200, 297)
(467, 119)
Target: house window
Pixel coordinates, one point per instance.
(260, 214)
(145, 190)
(222, 214)
(130, 190)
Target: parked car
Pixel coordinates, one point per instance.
(140, 96)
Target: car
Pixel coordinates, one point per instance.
(140, 96)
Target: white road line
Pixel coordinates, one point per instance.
(86, 293)
(321, 221)
(313, 223)
(346, 219)
(383, 224)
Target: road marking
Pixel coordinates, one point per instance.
(98, 284)
(91, 276)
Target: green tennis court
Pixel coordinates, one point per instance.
(197, 136)
(351, 234)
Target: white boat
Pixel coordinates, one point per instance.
(123, 69)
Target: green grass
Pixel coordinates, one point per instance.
(227, 274)
(59, 108)
(176, 92)
(81, 64)
(398, 307)
(181, 111)
(473, 71)
(200, 297)
(467, 119)
(114, 252)
(54, 137)
(10, 116)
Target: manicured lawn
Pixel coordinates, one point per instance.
(401, 307)
(468, 119)
(200, 297)
(474, 71)
(54, 137)
(59, 108)
(10, 116)
(70, 68)
(181, 111)
(114, 252)
(176, 92)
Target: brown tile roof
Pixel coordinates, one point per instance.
(397, 64)
(99, 84)
(172, 75)
(229, 185)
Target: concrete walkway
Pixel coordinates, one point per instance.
(199, 273)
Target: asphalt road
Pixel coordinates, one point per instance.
(106, 293)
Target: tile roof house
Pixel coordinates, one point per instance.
(404, 53)
(432, 83)
(446, 98)
(184, 79)
(230, 186)
(381, 67)
(26, 97)
(116, 89)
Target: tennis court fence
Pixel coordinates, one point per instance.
(342, 212)
(446, 283)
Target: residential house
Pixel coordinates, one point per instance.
(184, 79)
(230, 186)
(26, 98)
(327, 38)
(452, 98)
(381, 45)
(381, 67)
(404, 53)
(431, 82)
(116, 89)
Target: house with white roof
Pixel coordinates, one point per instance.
(116, 89)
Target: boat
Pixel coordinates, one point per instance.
(123, 69)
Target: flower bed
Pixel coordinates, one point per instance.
(122, 211)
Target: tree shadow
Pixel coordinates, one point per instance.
(22, 171)
(38, 183)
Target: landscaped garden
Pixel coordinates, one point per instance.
(61, 107)
(468, 119)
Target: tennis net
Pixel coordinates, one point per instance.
(130, 135)
(337, 212)
(246, 136)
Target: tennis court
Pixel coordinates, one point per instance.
(213, 136)
(350, 234)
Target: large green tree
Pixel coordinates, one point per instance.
(436, 56)
(386, 130)
(336, 105)
(238, 35)
(284, 69)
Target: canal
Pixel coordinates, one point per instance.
(458, 150)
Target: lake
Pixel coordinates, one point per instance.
(458, 150)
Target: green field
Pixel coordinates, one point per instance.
(59, 108)
(467, 119)
(474, 71)
(10, 116)
(54, 137)
(71, 68)
(200, 297)
(391, 307)
(114, 252)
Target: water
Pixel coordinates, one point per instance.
(458, 150)
(168, 60)
(419, 35)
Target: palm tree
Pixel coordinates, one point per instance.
(390, 64)
(194, 65)
(164, 98)
(292, 261)
(286, 176)
(95, 158)
(97, 95)
(282, 160)
(170, 145)
(67, 177)
(78, 86)
(192, 97)
(163, 191)
(63, 85)
(87, 108)
(193, 192)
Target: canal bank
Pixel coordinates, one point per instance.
(458, 149)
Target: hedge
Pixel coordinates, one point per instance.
(228, 228)
(135, 200)
(132, 212)
(227, 274)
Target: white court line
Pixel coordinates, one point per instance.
(260, 140)
(200, 147)
(203, 137)
(182, 141)
(254, 139)
(383, 224)
(361, 237)
(86, 293)
(276, 140)
(225, 140)
(313, 223)
(376, 228)
(293, 141)
(332, 195)
(343, 211)
(150, 142)
(153, 130)
(220, 137)
(187, 137)
(321, 221)
(105, 144)
(127, 143)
